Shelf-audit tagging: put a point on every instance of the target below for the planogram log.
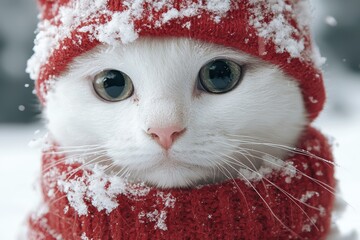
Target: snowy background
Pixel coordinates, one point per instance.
(337, 31)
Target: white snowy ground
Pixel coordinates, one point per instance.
(19, 164)
(344, 131)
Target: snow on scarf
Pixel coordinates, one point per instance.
(292, 202)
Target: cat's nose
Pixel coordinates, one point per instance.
(166, 136)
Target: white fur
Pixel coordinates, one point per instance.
(266, 105)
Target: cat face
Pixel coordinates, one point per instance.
(184, 113)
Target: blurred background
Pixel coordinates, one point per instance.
(336, 30)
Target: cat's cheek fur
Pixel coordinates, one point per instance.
(79, 117)
(267, 106)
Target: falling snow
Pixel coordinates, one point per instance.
(331, 21)
(21, 108)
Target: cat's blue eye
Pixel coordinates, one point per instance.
(113, 85)
(220, 76)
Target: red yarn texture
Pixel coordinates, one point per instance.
(233, 31)
(230, 210)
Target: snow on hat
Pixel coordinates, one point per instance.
(277, 31)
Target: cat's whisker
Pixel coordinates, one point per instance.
(214, 168)
(292, 198)
(111, 166)
(241, 136)
(83, 166)
(320, 183)
(64, 152)
(240, 150)
(188, 182)
(58, 215)
(123, 171)
(78, 147)
(258, 193)
(79, 155)
(251, 163)
(72, 173)
(228, 176)
(73, 148)
(72, 158)
(53, 201)
(80, 168)
(215, 165)
(266, 179)
(283, 147)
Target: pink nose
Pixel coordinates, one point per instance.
(166, 136)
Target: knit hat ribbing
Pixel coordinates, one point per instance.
(274, 30)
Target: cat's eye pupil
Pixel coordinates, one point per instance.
(114, 84)
(220, 76)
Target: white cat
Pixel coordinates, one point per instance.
(141, 88)
(174, 112)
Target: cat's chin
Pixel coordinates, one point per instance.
(175, 177)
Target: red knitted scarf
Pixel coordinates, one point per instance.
(280, 206)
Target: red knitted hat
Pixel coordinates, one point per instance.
(275, 30)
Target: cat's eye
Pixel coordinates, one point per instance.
(220, 76)
(113, 85)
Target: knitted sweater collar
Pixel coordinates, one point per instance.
(86, 205)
